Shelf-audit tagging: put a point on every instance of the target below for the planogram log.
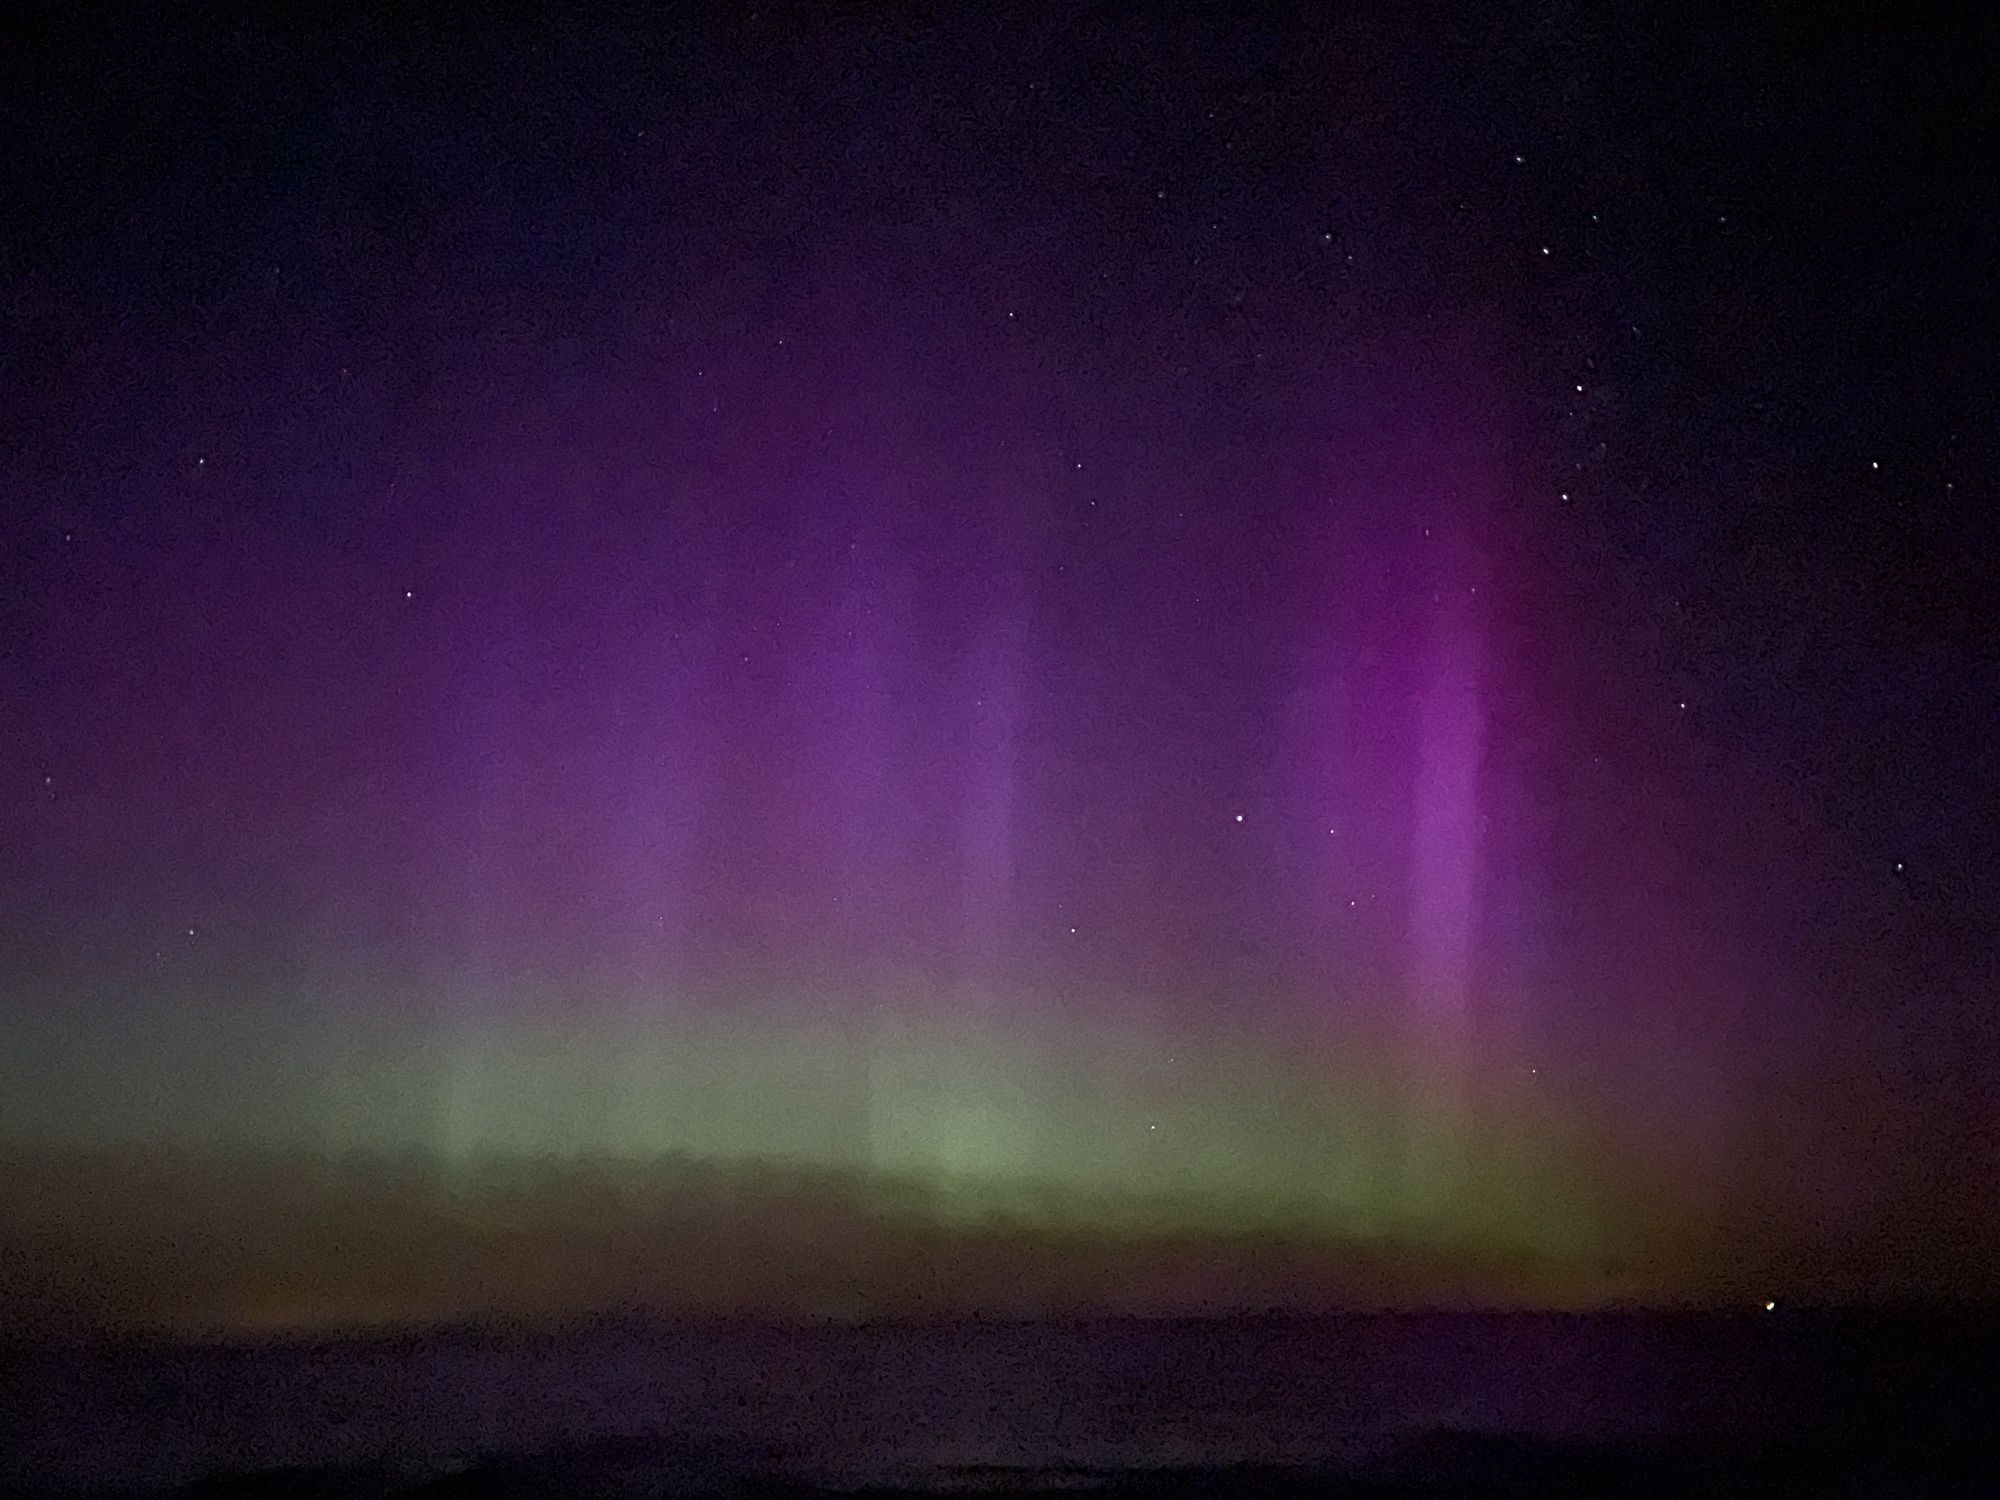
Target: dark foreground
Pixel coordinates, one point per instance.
(1413, 1405)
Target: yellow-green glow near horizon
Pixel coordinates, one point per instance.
(1043, 1125)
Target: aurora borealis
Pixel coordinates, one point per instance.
(851, 670)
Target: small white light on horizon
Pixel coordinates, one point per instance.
(1770, 1307)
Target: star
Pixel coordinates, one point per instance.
(1239, 817)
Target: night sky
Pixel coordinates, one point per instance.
(841, 662)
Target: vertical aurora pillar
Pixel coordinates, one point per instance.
(1443, 918)
(988, 811)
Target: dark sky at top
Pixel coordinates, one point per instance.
(1469, 530)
